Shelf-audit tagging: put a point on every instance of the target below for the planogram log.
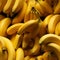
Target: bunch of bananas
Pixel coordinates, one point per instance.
(30, 30)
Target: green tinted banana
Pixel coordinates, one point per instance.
(26, 25)
(57, 29)
(49, 38)
(52, 23)
(55, 48)
(8, 45)
(19, 54)
(8, 6)
(17, 6)
(4, 23)
(13, 28)
(20, 15)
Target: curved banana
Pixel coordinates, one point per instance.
(32, 58)
(24, 27)
(52, 23)
(8, 45)
(27, 58)
(57, 29)
(20, 15)
(47, 19)
(49, 38)
(13, 28)
(55, 48)
(2, 4)
(57, 8)
(46, 7)
(15, 39)
(35, 49)
(31, 3)
(40, 57)
(8, 6)
(17, 6)
(4, 23)
(19, 54)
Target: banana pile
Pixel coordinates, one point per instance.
(29, 29)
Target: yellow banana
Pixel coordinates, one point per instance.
(4, 23)
(20, 15)
(47, 19)
(19, 54)
(57, 8)
(49, 38)
(17, 6)
(46, 6)
(8, 6)
(54, 48)
(2, 4)
(8, 45)
(15, 39)
(27, 58)
(52, 23)
(36, 48)
(24, 27)
(57, 29)
(13, 28)
(32, 58)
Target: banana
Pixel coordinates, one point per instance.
(35, 49)
(57, 29)
(2, 4)
(31, 3)
(49, 38)
(27, 58)
(40, 57)
(57, 8)
(46, 7)
(52, 23)
(54, 48)
(32, 58)
(4, 23)
(8, 6)
(13, 28)
(47, 19)
(15, 39)
(24, 27)
(17, 6)
(8, 45)
(19, 54)
(20, 15)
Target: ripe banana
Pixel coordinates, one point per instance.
(54, 48)
(57, 29)
(52, 23)
(8, 45)
(19, 54)
(15, 39)
(2, 4)
(17, 6)
(8, 6)
(20, 15)
(26, 25)
(40, 57)
(49, 38)
(13, 28)
(32, 58)
(4, 23)
(47, 19)
(27, 58)
(57, 8)
(36, 48)
(46, 7)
